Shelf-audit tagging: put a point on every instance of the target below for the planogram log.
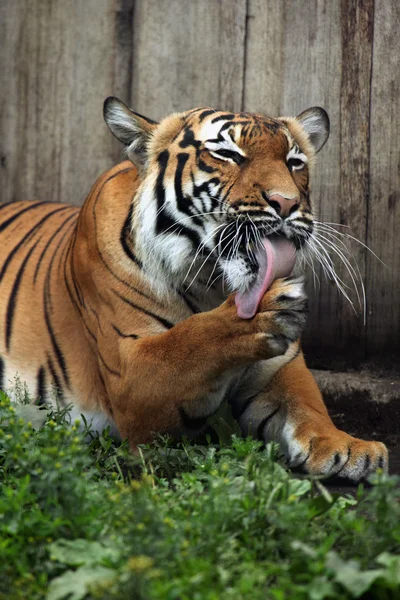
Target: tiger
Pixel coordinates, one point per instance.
(174, 288)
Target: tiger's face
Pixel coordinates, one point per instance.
(215, 186)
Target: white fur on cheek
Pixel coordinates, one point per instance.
(237, 274)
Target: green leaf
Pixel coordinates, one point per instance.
(81, 552)
(392, 564)
(320, 588)
(299, 487)
(319, 505)
(349, 576)
(75, 585)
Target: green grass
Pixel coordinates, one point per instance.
(184, 521)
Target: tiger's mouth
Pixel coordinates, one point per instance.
(275, 257)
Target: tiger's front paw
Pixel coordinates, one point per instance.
(336, 454)
(283, 313)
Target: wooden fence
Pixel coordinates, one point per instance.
(61, 58)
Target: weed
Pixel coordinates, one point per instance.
(87, 519)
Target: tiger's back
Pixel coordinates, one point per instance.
(34, 238)
(41, 338)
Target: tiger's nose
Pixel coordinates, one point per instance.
(283, 206)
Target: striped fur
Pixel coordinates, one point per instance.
(125, 306)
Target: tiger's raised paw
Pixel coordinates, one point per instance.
(283, 312)
(337, 454)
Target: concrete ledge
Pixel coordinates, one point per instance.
(364, 404)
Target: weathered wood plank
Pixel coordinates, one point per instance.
(10, 34)
(264, 57)
(322, 51)
(384, 209)
(357, 36)
(62, 65)
(312, 77)
(188, 54)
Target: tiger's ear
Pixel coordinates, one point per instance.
(130, 128)
(315, 122)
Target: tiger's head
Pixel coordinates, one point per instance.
(215, 185)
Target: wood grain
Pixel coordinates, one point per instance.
(188, 54)
(312, 58)
(62, 67)
(264, 57)
(383, 235)
(357, 36)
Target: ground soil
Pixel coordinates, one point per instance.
(365, 402)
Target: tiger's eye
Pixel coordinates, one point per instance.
(295, 164)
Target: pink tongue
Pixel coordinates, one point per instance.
(276, 259)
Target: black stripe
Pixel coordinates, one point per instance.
(125, 232)
(73, 275)
(188, 302)
(57, 382)
(72, 297)
(18, 214)
(39, 262)
(227, 192)
(205, 187)
(164, 322)
(182, 202)
(231, 154)
(205, 114)
(12, 301)
(12, 204)
(64, 251)
(166, 223)
(94, 312)
(162, 160)
(226, 117)
(41, 387)
(260, 428)
(26, 237)
(189, 140)
(47, 308)
(77, 288)
(1, 373)
(125, 335)
(109, 369)
(204, 167)
(229, 124)
(304, 220)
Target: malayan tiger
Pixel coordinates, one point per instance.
(171, 290)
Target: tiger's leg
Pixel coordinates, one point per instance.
(291, 411)
(166, 380)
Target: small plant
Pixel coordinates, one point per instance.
(87, 519)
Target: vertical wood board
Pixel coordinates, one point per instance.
(55, 142)
(264, 57)
(187, 54)
(383, 282)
